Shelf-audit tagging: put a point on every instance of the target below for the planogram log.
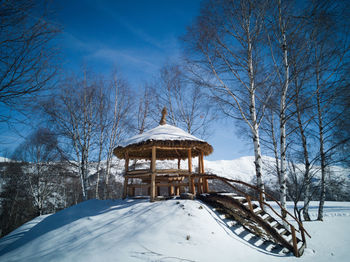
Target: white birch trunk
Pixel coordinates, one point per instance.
(322, 153)
(283, 169)
(307, 195)
(254, 124)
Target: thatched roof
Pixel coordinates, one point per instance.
(171, 142)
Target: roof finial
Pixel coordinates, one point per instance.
(163, 120)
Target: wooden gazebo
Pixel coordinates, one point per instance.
(165, 142)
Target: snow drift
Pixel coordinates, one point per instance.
(174, 230)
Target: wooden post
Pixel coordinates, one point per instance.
(205, 185)
(205, 181)
(125, 191)
(199, 165)
(171, 190)
(302, 234)
(192, 185)
(153, 187)
(199, 186)
(202, 162)
(179, 163)
(189, 161)
(126, 179)
(153, 174)
(126, 165)
(190, 178)
(295, 245)
(249, 203)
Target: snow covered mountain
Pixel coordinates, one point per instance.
(242, 168)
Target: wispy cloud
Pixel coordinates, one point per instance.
(124, 56)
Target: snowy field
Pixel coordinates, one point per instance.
(173, 230)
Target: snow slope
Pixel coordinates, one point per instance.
(173, 230)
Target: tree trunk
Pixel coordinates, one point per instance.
(254, 124)
(322, 155)
(306, 160)
(283, 169)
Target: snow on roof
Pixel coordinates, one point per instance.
(162, 133)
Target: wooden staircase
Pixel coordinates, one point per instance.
(255, 218)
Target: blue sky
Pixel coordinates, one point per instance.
(136, 37)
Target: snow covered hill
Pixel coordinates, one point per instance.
(173, 230)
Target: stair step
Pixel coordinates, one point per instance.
(259, 211)
(239, 230)
(269, 219)
(231, 223)
(283, 232)
(270, 246)
(300, 244)
(289, 238)
(249, 236)
(274, 224)
(222, 216)
(265, 216)
(259, 242)
(255, 206)
(241, 199)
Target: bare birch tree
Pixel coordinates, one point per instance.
(185, 101)
(73, 113)
(283, 33)
(120, 102)
(27, 52)
(39, 151)
(223, 45)
(328, 37)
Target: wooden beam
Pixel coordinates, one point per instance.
(138, 186)
(171, 184)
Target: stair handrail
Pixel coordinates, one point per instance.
(227, 180)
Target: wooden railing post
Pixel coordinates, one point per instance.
(153, 175)
(125, 191)
(191, 179)
(249, 203)
(126, 179)
(302, 232)
(295, 243)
